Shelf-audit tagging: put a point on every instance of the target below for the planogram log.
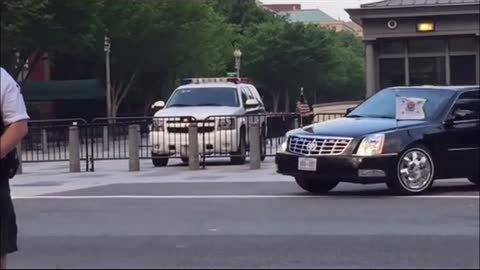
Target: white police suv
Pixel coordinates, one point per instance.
(221, 107)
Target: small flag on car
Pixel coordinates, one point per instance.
(409, 108)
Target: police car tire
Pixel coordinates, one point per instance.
(316, 186)
(241, 153)
(263, 146)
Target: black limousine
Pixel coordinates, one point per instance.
(372, 144)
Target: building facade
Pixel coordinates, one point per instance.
(420, 42)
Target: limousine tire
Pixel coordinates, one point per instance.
(159, 160)
(414, 172)
(316, 186)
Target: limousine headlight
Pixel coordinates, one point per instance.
(371, 145)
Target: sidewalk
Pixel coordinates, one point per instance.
(43, 178)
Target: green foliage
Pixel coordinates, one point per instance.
(283, 57)
(156, 43)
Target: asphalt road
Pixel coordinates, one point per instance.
(247, 225)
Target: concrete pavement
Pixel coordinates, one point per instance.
(231, 217)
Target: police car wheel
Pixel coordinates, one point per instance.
(263, 146)
(239, 157)
(316, 186)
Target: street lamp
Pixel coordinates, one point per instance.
(237, 54)
(107, 48)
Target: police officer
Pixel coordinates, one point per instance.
(13, 127)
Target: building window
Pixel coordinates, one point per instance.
(462, 44)
(427, 71)
(426, 45)
(392, 72)
(392, 47)
(462, 70)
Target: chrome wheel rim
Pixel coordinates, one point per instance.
(415, 170)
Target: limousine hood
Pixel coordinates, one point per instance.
(356, 127)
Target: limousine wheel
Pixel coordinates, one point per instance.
(316, 186)
(415, 172)
(159, 161)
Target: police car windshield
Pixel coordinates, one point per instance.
(211, 96)
(383, 105)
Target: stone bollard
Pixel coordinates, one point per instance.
(254, 138)
(193, 156)
(134, 146)
(106, 142)
(44, 140)
(74, 148)
(19, 153)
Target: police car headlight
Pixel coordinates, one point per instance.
(158, 125)
(371, 145)
(226, 124)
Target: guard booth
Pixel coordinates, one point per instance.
(420, 42)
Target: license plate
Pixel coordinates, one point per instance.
(307, 164)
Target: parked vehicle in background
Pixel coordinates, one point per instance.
(222, 107)
(371, 145)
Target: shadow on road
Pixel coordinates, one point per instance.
(453, 189)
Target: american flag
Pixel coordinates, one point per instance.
(304, 109)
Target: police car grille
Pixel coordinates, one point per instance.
(318, 146)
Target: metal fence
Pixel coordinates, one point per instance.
(322, 117)
(160, 138)
(47, 140)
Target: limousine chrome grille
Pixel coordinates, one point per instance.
(318, 146)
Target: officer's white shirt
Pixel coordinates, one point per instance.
(11, 100)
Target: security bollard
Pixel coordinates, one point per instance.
(193, 156)
(74, 149)
(19, 154)
(106, 142)
(134, 145)
(44, 140)
(296, 123)
(254, 138)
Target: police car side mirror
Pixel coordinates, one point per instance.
(251, 104)
(158, 105)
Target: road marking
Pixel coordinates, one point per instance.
(238, 197)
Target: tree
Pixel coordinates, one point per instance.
(158, 42)
(35, 27)
(283, 57)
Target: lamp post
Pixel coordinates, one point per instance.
(237, 54)
(107, 46)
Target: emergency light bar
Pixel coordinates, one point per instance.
(215, 80)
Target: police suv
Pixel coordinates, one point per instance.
(221, 107)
